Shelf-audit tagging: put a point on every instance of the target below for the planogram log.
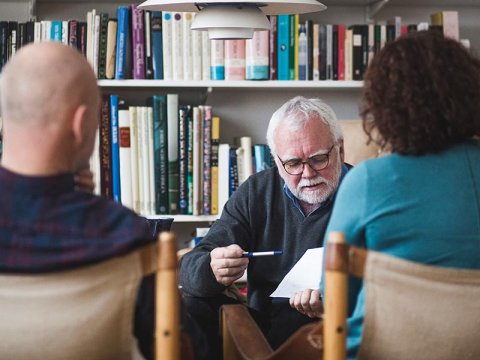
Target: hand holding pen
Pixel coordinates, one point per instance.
(228, 264)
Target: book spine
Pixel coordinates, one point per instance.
(138, 43)
(348, 55)
(96, 43)
(102, 46)
(111, 44)
(296, 52)
(183, 111)
(172, 140)
(3, 43)
(217, 69)
(256, 53)
(329, 50)
(160, 147)
(56, 31)
(309, 33)
(316, 52)
(207, 155)
(151, 162)
(122, 39)
(167, 21)
(115, 148)
(147, 15)
(197, 161)
(233, 171)
(302, 42)
(206, 56)
(82, 36)
(341, 52)
(335, 52)
(187, 46)
(190, 163)
(177, 48)
(283, 48)
(105, 148)
(273, 43)
(157, 45)
(197, 54)
(293, 36)
(134, 158)
(64, 30)
(223, 175)
(73, 32)
(125, 158)
(234, 59)
(29, 32)
(214, 164)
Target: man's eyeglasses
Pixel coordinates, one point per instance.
(316, 162)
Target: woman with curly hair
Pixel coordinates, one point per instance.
(421, 102)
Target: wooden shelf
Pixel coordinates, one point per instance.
(241, 84)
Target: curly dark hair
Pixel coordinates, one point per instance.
(422, 94)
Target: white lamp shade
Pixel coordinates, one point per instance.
(233, 19)
(268, 7)
(230, 22)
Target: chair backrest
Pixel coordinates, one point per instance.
(412, 311)
(355, 142)
(87, 313)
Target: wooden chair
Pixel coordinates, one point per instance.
(87, 313)
(412, 311)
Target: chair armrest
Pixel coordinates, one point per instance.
(241, 332)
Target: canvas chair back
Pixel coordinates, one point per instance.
(81, 314)
(412, 311)
(88, 313)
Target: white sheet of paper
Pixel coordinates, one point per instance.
(305, 274)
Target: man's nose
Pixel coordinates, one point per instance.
(308, 172)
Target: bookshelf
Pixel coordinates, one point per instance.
(245, 107)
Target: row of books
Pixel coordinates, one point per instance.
(142, 44)
(166, 158)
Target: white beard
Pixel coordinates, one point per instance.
(320, 195)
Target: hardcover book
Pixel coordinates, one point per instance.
(157, 45)
(138, 43)
(234, 59)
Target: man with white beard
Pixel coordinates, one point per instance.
(283, 208)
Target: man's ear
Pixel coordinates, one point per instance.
(341, 150)
(78, 124)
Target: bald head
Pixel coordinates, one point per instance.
(50, 105)
(45, 81)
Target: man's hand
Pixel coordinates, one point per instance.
(308, 303)
(84, 180)
(228, 264)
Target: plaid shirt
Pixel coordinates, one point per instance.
(47, 225)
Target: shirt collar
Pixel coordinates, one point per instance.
(295, 201)
(37, 185)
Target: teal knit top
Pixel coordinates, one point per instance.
(420, 208)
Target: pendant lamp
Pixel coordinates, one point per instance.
(235, 19)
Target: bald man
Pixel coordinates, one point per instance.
(50, 108)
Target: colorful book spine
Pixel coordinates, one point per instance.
(283, 48)
(214, 164)
(123, 38)
(105, 148)
(190, 162)
(234, 59)
(56, 31)
(207, 155)
(82, 38)
(302, 53)
(217, 68)
(160, 148)
(183, 111)
(341, 52)
(72, 33)
(138, 43)
(157, 45)
(115, 148)
(197, 160)
(257, 56)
